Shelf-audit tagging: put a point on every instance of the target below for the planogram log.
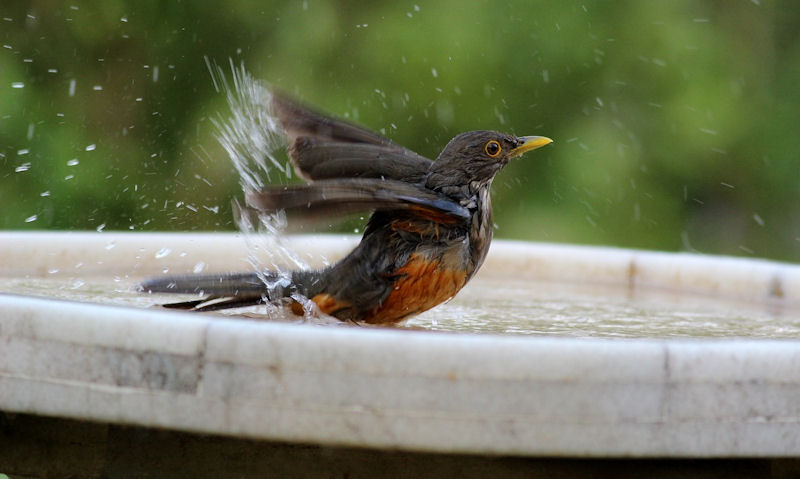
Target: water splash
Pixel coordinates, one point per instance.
(268, 251)
(252, 137)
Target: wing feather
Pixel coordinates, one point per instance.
(353, 195)
(322, 147)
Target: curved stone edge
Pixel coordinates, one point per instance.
(739, 279)
(400, 389)
(54, 254)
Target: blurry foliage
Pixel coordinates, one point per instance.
(675, 123)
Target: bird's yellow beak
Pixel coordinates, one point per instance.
(529, 143)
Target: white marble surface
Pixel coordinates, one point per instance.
(414, 390)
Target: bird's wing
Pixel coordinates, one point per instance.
(339, 196)
(301, 121)
(318, 160)
(321, 147)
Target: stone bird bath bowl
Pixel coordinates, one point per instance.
(551, 351)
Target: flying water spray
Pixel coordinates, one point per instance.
(253, 139)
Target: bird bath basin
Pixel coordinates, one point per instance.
(550, 351)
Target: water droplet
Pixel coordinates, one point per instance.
(18, 84)
(199, 267)
(31, 219)
(52, 271)
(97, 88)
(72, 87)
(91, 147)
(44, 193)
(163, 252)
(73, 162)
(101, 227)
(23, 151)
(111, 245)
(22, 167)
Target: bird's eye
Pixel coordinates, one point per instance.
(492, 148)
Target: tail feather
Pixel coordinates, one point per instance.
(216, 303)
(233, 290)
(228, 284)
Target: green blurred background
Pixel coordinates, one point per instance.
(676, 124)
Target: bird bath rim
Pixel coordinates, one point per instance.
(138, 254)
(401, 389)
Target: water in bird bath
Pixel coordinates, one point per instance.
(500, 307)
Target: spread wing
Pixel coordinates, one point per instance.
(351, 169)
(324, 148)
(350, 195)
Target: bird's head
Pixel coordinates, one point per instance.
(477, 156)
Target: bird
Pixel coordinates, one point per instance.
(428, 233)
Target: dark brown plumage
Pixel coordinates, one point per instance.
(429, 232)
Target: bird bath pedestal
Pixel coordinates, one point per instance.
(97, 382)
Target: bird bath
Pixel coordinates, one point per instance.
(552, 350)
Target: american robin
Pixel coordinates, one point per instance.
(428, 234)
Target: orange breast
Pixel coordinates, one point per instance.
(422, 285)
